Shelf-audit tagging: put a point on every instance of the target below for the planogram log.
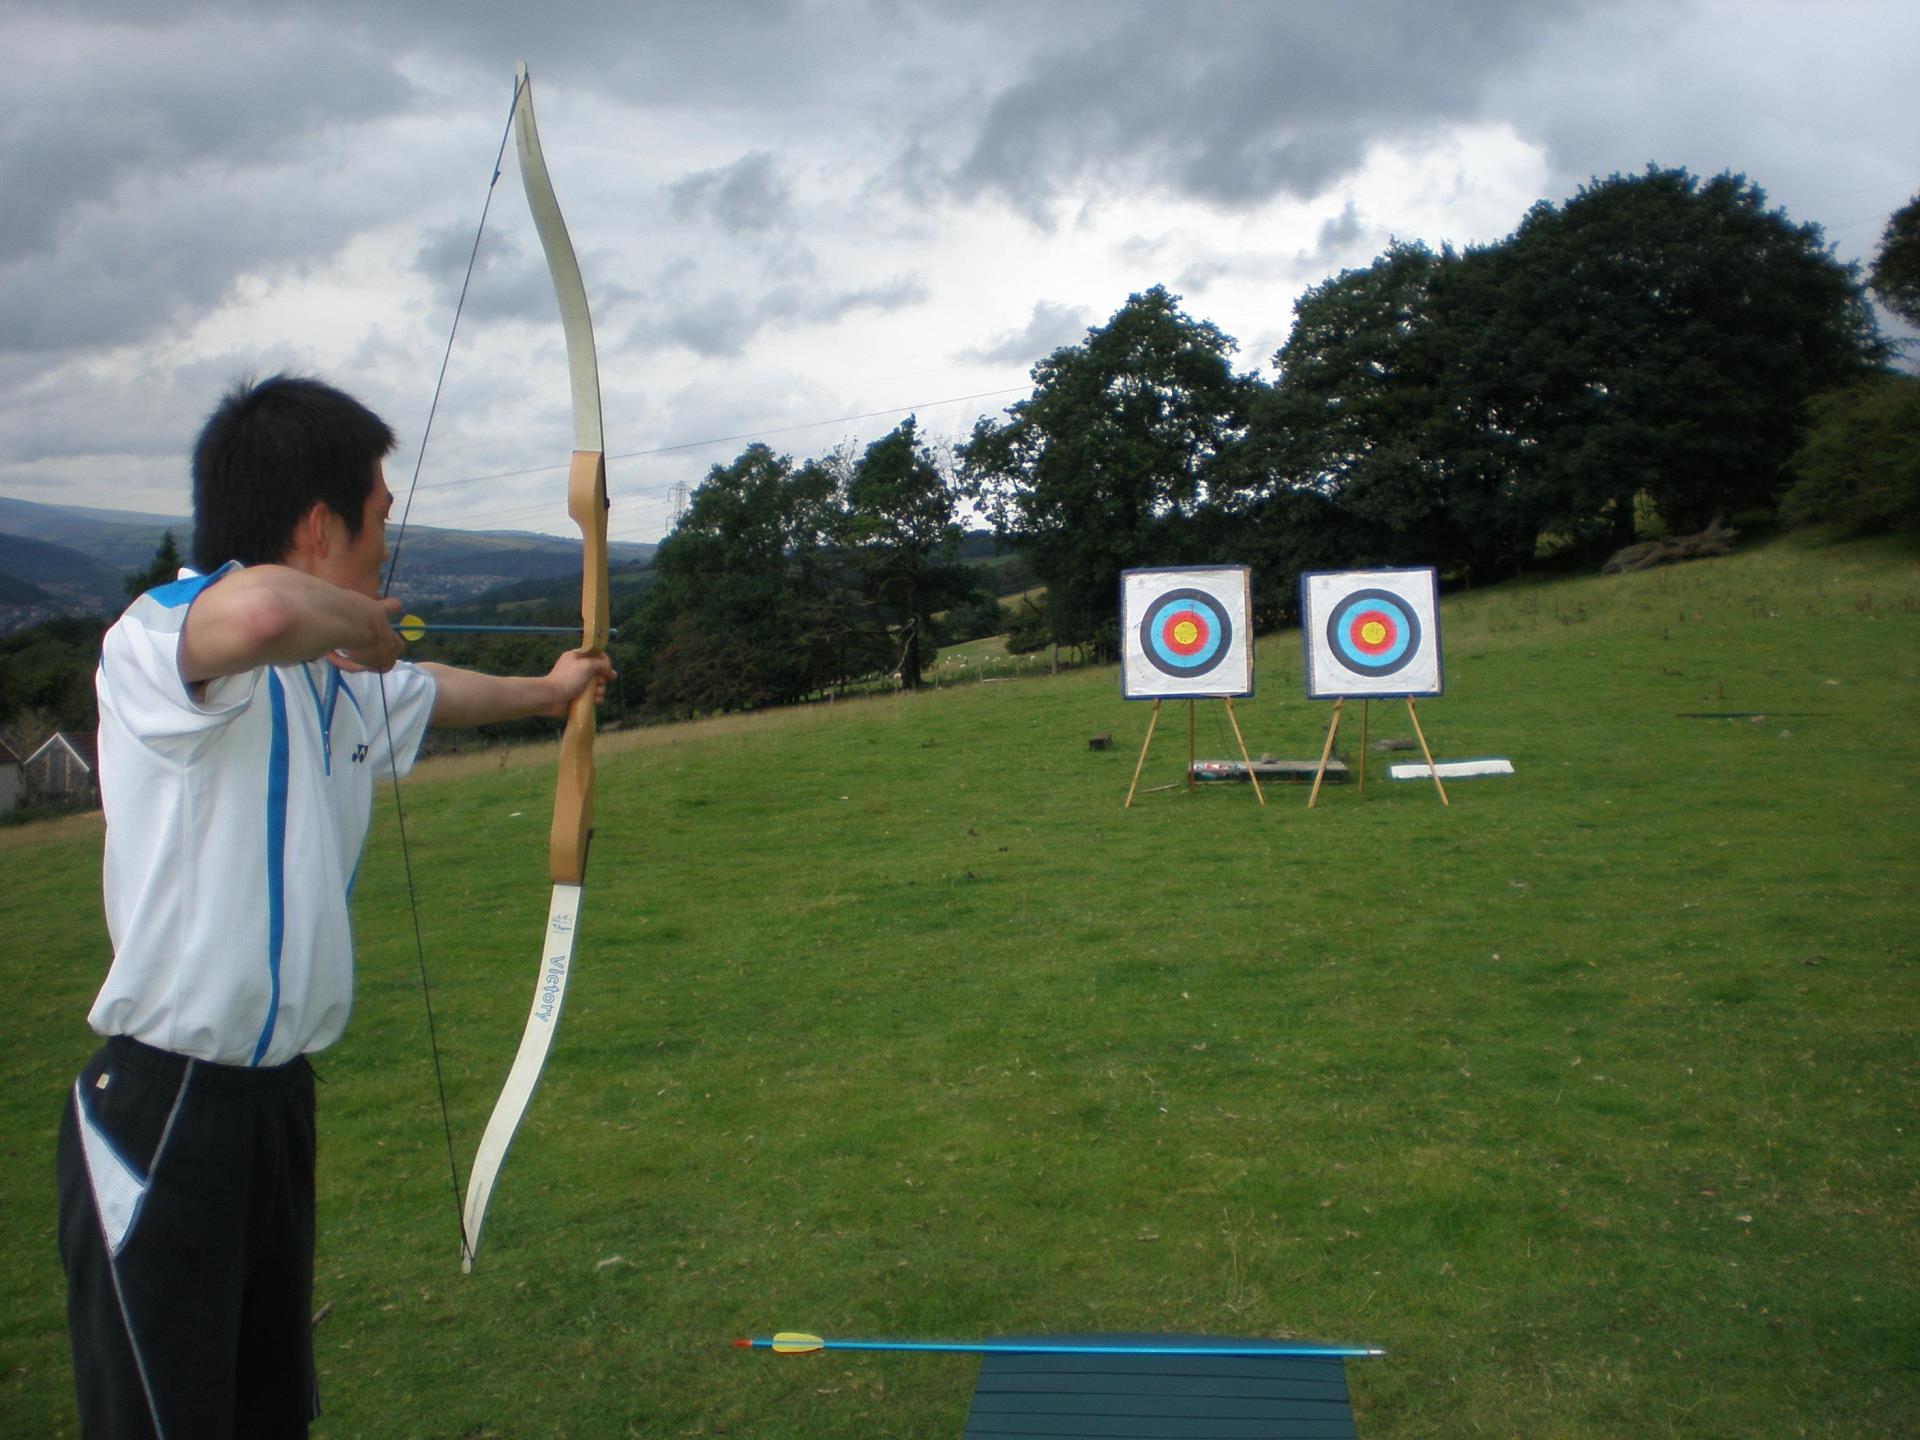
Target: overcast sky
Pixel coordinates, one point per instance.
(793, 215)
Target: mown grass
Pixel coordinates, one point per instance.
(1591, 1097)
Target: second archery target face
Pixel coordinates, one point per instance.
(1186, 634)
(1371, 632)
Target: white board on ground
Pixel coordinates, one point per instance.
(1452, 769)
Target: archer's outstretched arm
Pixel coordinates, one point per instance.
(468, 697)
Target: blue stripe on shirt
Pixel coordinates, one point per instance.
(176, 593)
(276, 856)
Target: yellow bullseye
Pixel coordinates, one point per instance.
(1185, 632)
(1373, 632)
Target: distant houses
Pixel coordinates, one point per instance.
(12, 783)
(65, 770)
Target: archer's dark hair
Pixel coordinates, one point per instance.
(269, 450)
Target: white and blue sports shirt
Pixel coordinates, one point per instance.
(235, 823)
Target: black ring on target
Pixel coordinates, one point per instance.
(1186, 633)
(1351, 637)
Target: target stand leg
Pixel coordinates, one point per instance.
(1428, 753)
(1333, 727)
(1234, 721)
(1152, 720)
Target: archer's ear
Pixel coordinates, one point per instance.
(315, 534)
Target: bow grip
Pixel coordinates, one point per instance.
(573, 797)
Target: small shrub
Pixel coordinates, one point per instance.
(1859, 466)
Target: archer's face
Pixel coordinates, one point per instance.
(357, 560)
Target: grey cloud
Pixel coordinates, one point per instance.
(510, 282)
(107, 110)
(1339, 233)
(717, 326)
(443, 256)
(1199, 275)
(167, 158)
(721, 325)
(1196, 263)
(742, 59)
(1049, 327)
(747, 196)
(1712, 88)
(160, 256)
(1237, 105)
(1339, 237)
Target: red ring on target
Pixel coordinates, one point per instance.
(1184, 632)
(1373, 632)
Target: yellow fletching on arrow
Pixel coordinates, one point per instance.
(793, 1342)
(411, 628)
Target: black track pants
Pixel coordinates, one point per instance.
(186, 1231)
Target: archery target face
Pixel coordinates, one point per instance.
(1371, 632)
(1186, 633)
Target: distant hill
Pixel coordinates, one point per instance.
(70, 560)
(40, 580)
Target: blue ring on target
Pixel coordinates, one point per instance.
(1164, 648)
(1395, 649)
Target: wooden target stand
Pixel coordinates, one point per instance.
(1154, 719)
(1326, 750)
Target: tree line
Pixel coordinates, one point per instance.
(1653, 353)
(782, 580)
(1647, 355)
(1641, 355)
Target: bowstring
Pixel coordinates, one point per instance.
(386, 716)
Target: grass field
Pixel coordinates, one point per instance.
(1592, 1098)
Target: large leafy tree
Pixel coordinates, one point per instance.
(903, 541)
(748, 605)
(1105, 465)
(1896, 269)
(1369, 425)
(1656, 334)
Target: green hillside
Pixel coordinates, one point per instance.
(1591, 1097)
